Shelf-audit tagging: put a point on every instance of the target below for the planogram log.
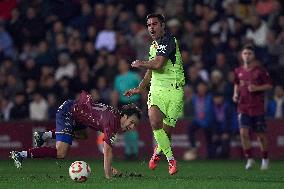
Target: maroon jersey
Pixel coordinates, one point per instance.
(251, 103)
(97, 116)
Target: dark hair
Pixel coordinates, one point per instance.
(249, 47)
(131, 109)
(160, 17)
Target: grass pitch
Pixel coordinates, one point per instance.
(217, 174)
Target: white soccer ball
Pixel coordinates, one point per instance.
(79, 171)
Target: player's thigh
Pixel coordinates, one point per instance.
(174, 103)
(155, 117)
(259, 124)
(245, 122)
(62, 149)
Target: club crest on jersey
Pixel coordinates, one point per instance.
(162, 48)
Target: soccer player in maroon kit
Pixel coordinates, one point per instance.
(72, 119)
(251, 81)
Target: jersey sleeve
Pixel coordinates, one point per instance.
(166, 46)
(109, 137)
(236, 80)
(264, 77)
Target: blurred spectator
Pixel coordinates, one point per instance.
(20, 110)
(14, 85)
(99, 19)
(32, 27)
(82, 21)
(38, 107)
(104, 90)
(44, 56)
(64, 91)
(29, 69)
(188, 103)
(66, 67)
(28, 52)
(123, 82)
(257, 31)
(224, 125)
(111, 69)
(217, 82)
(174, 26)
(203, 107)
(30, 88)
(275, 106)
(124, 50)
(106, 38)
(8, 66)
(6, 43)
(52, 106)
(6, 106)
(192, 77)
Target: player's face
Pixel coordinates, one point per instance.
(247, 56)
(129, 122)
(155, 28)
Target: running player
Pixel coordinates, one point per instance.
(251, 81)
(165, 98)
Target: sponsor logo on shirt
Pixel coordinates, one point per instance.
(162, 48)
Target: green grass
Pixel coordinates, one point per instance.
(48, 174)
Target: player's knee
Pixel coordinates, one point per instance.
(156, 126)
(61, 155)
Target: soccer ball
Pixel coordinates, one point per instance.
(79, 171)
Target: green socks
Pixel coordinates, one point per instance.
(163, 143)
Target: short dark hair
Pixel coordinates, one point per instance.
(160, 17)
(249, 47)
(131, 109)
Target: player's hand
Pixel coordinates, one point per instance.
(235, 98)
(136, 63)
(131, 92)
(115, 172)
(252, 88)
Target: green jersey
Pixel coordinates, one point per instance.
(172, 73)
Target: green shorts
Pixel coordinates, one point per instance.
(169, 101)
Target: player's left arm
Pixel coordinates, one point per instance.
(166, 48)
(107, 160)
(154, 64)
(265, 79)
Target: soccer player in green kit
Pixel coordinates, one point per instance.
(166, 78)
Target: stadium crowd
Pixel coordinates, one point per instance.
(51, 50)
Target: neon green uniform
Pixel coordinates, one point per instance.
(166, 89)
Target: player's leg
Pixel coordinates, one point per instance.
(41, 137)
(62, 149)
(172, 162)
(38, 152)
(63, 143)
(260, 130)
(156, 122)
(245, 123)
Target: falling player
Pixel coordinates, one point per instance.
(72, 119)
(250, 84)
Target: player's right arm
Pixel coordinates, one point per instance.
(236, 93)
(142, 86)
